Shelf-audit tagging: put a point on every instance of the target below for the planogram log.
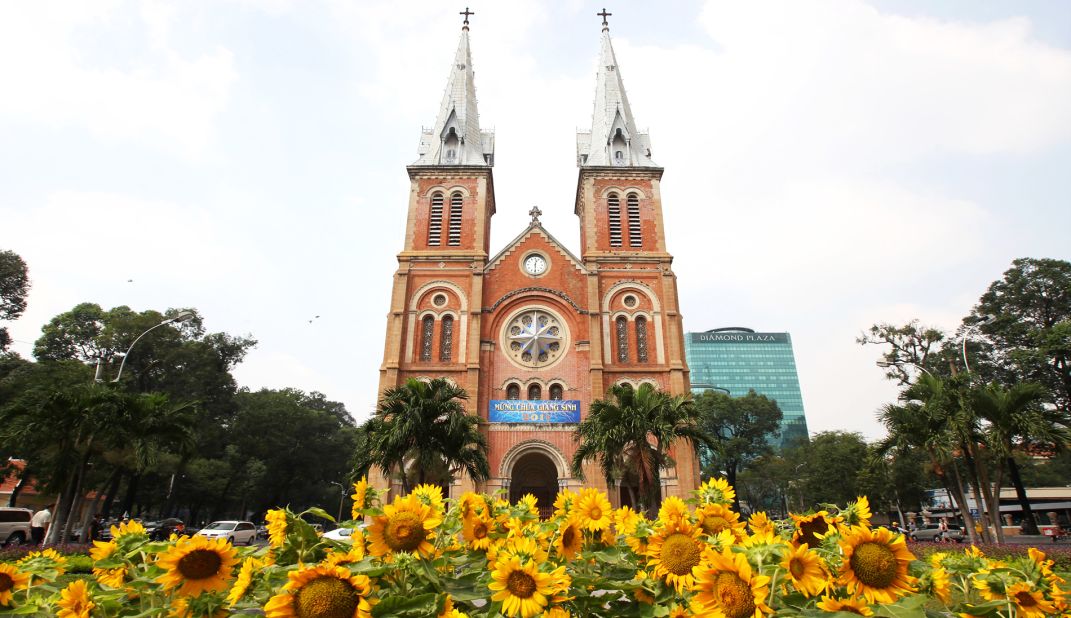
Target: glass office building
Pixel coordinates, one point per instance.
(738, 360)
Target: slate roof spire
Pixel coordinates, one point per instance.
(455, 138)
(614, 140)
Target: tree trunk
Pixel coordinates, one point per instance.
(1030, 525)
(976, 486)
(131, 493)
(964, 508)
(730, 474)
(63, 506)
(112, 489)
(25, 476)
(79, 498)
(992, 504)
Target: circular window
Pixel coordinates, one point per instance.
(630, 301)
(534, 338)
(439, 300)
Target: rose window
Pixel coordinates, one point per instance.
(535, 338)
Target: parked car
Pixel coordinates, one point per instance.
(343, 535)
(161, 530)
(14, 525)
(933, 532)
(237, 532)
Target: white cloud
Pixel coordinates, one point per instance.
(157, 98)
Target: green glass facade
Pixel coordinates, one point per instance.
(739, 360)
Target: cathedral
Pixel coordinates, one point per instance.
(535, 332)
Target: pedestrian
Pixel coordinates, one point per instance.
(39, 523)
(95, 527)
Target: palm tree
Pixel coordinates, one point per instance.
(630, 433)
(1016, 414)
(423, 426)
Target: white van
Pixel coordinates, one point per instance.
(14, 525)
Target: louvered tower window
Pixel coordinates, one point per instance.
(513, 391)
(535, 392)
(455, 220)
(427, 331)
(635, 236)
(613, 208)
(622, 340)
(641, 339)
(446, 338)
(435, 224)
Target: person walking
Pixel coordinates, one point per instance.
(39, 523)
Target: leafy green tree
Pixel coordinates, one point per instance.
(423, 427)
(1027, 317)
(631, 432)
(911, 347)
(742, 429)
(830, 467)
(14, 284)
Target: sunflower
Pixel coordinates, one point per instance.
(523, 548)
(804, 568)
(626, 520)
(521, 587)
(563, 503)
(811, 529)
(46, 558)
(716, 491)
(875, 565)
(850, 606)
(276, 519)
(74, 601)
(571, 539)
(673, 508)
(127, 528)
(725, 583)
(360, 495)
(476, 530)
(557, 612)
(673, 551)
(941, 585)
(679, 611)
(530, 503)
(405, 526)
(355, 554)
(197, 564)
(594, 510)
(759, 522)
(431, 495)
(11, 579)
(857, 513)
(114, 577)
(471, 502)
(713, 518)
(1030, 603)
(322, 592)
(245, 577)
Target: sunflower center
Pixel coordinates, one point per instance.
(713, 524)
(797, 568)
(521, 584)
(734, 596)
(679, 554)
(1025, 599)
(809, 531)
(568, 536)
(200, 564)
(874, 564)
(326, 597)
(596, 513)
(479, 531)
(6, 583)
(404, 532)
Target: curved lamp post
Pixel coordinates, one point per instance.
(182, 316)
(887, 364)
(966, 332)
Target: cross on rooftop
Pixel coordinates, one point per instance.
(466, 13)
(604, 15)
(535, 212)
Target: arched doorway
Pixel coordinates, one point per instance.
(535, 473)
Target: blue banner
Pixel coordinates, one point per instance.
(533, 411)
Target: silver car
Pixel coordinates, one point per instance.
(14, 525)
(237, 532)
(933, 532)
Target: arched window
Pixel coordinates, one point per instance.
(535, 392)
(556, 392)
(427, 331)
(622, 340)
(635, 234)
(455, 220)
(641, 339)
(613, 209)
(435, 223)
(513, 391)
(446, 338)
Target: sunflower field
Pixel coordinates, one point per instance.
(479, 555)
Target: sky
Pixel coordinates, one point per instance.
(829, 164)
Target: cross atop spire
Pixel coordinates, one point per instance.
(605, 24)
(466, 13)
(535, 212)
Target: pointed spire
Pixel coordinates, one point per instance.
(613, 139)
(455, 138)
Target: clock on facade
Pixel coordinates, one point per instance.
(535, 264)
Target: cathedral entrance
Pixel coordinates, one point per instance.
(534, 473)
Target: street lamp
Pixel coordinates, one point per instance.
(966, 332)
(887, 364)
(341, 498)
(182, 316)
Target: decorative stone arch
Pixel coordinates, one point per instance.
(654, 317)
(448, 191)
(461, 317)
(534, 446)
(623, 191)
